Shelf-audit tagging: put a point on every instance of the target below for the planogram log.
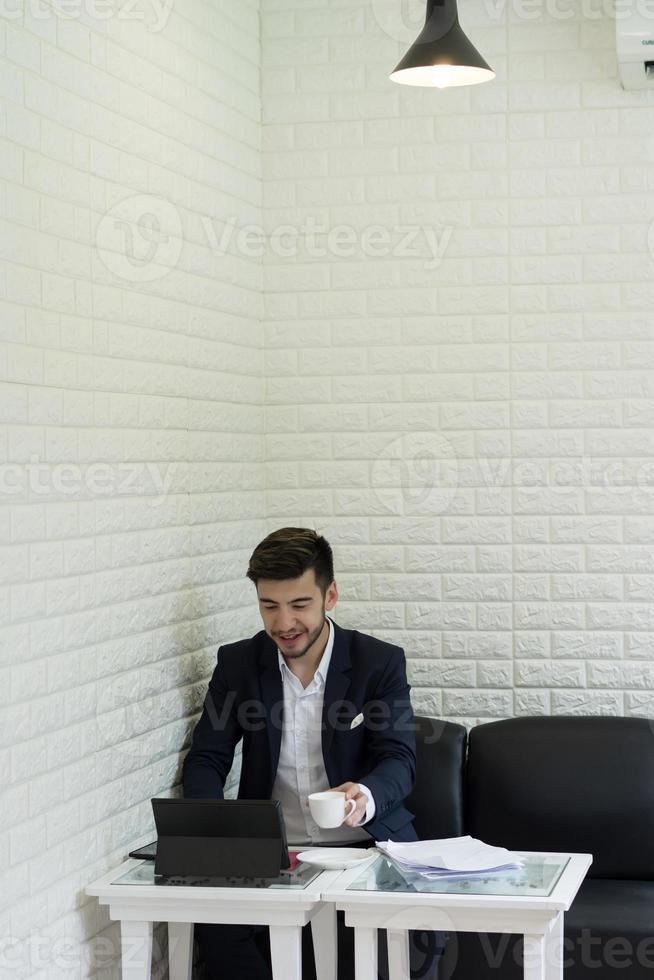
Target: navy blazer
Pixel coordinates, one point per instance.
(245, 701)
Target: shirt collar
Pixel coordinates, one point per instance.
(323, 666)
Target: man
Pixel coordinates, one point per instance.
(317, 707)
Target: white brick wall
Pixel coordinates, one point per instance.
(460, 347)
(454, 380)
(131, 373)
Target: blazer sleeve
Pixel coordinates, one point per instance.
(391, 739)
(217, 733)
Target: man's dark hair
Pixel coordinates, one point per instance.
(289, 552)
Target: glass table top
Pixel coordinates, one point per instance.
(537, 878)
(143, 874)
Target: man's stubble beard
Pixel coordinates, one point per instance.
(301, 653)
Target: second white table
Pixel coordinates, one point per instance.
(531, 902)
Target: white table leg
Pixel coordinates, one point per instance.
(554, 947)
(534, 957)
(180, 950)
(398, 954)
(325, 942)
(136, 949)
(365, 953)
(286, 952)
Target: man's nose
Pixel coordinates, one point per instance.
(285, 622)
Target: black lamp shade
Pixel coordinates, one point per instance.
(442, 56)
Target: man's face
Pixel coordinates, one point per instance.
(293, 611)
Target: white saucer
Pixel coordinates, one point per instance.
(336, 858)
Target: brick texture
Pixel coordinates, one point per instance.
(131, 435)
(459, 347)
(246, 281)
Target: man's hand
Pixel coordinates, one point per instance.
(353, 792)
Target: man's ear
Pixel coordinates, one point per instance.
(331, 597)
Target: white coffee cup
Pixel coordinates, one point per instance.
(328, 809)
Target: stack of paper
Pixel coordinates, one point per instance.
(451, 857)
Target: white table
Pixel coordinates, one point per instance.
(137, 905)
(522, 910)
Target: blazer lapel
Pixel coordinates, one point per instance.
(272, 693)
(336, 685)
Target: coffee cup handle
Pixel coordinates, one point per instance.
(353, 805)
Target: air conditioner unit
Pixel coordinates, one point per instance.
(634, 29)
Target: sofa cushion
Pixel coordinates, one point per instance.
(437, 796)
(609, 932)
(582, 784)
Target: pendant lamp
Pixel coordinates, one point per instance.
(442, 56)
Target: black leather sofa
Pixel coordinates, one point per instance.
(553, 784)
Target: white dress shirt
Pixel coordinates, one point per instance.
(301, 768)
